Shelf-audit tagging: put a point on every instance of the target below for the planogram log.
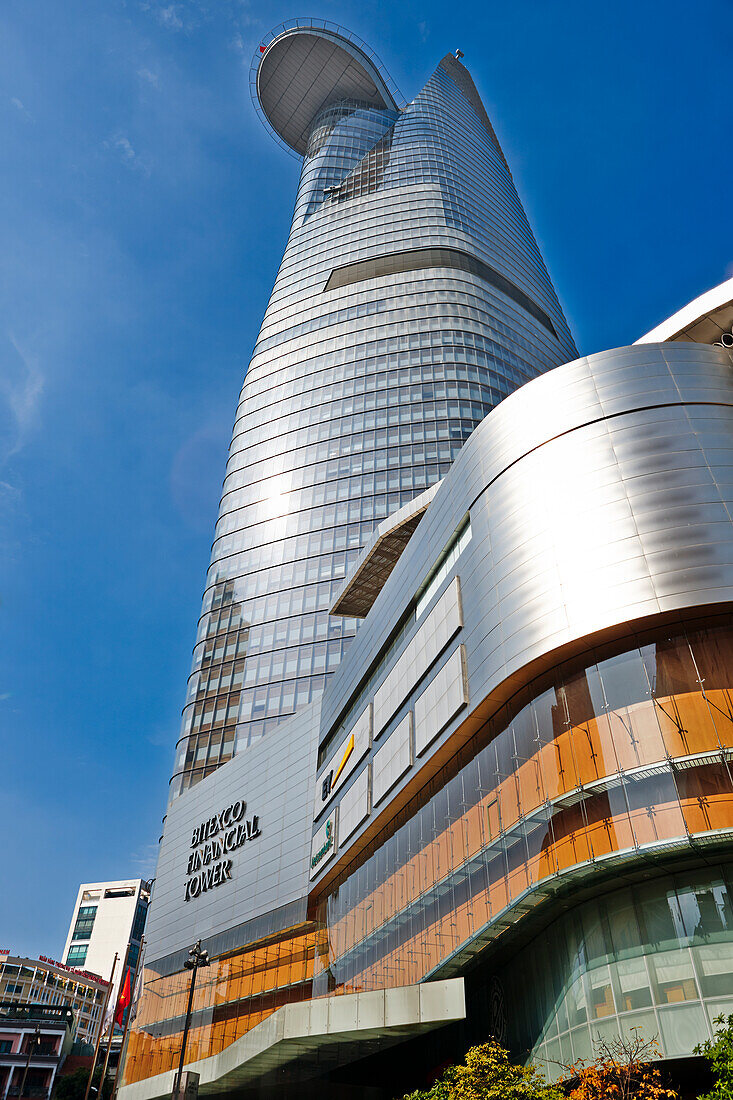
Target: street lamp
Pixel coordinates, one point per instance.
(33, 1044)
(196, 957)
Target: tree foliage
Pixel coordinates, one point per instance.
(720, 1055)
(72, 1086)
(488, 1074)
(621, 1070)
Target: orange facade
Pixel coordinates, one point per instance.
(234, 994)
(628, 754)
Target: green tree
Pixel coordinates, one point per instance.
(720, 1055)
(72, 1086)
(488, 1074)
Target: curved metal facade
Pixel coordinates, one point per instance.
(539, 701)
(359, 397)
(560, 693)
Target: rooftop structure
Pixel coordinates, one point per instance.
(309, 65)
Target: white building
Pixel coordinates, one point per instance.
(107, 916)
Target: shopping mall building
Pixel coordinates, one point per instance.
(456, 752)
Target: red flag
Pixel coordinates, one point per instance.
(123, 1000)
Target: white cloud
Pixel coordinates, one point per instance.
(21, 107)
(169, 17)
(123, 147)
(20, 392)
(187, 15)
(145, 860)
(150, 77)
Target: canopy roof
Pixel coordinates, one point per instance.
(703, 321)
(304, 69)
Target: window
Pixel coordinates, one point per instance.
(6, 1046)
(138, 925)
(132, 956)
(14, 989)
(450, 556)
(84, 922)
(77, 955)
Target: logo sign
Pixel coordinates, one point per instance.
(212, 841)
(323, 847)
(343, 761)
(72, 969)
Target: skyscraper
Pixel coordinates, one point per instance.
(411, 299)
(507, 808)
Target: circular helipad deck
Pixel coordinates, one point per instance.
(303, 69)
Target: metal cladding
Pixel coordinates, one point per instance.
(411, 299)
(593, 503)
(557, 706)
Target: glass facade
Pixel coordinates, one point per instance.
(233, 994)
(657, 958)
(84, 922)
(361, 389)
(626, 757)
(604, 764)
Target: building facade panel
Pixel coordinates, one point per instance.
(626, 756)
(604, 553)
(550, 481)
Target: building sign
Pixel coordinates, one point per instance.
(323, 846)
(343, 761)
(212, 841)
(73, 970)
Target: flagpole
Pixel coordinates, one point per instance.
(112, 1029)
(101, 1026)
(125, 1033)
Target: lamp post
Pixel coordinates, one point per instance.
(196, 957)
(33, 1044)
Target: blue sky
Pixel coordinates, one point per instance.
(143, 217)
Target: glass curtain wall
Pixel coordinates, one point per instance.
(358, 398)
(658, 958)
(234, 994)
(629, 755)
